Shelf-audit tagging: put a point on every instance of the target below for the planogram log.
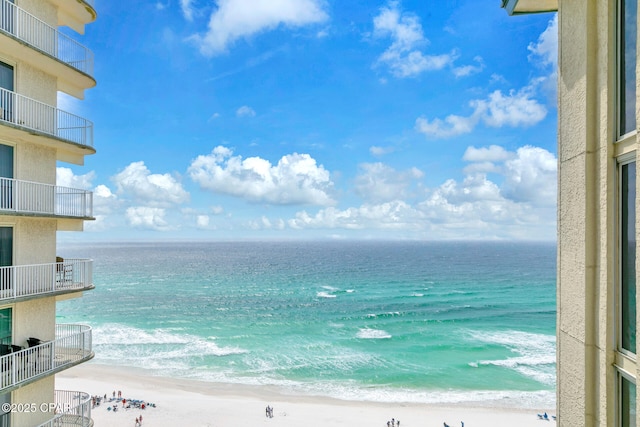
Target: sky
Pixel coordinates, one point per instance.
(319, 119)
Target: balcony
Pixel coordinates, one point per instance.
(32, 198)
(18, 23)
(33, 116)
(74, 410)
(71, 346)
(28, 281)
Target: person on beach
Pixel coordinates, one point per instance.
(137, 422)
(266, 411)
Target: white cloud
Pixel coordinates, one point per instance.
(518, 204)
(404, 57)
(545, 49)
(295, 179)
(236, 19)
(532, 176)
(377, 182)
(186, 6)
(515, 109)
(468, 70)
(497, 110)
(147, 218)
(149, 189)
(380, 151)
(493, 153)
(394, 215)
(66, 178)
(245, 111)
(452, 125)
(544, 54)
(202, 221)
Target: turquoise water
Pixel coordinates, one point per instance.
(377, 321)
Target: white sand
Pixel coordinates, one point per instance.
(195, 403)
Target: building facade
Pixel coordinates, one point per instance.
(598, 115)
(37, 61)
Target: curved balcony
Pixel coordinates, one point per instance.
(24, 113)
(20, 24)
(71, 346)
(32, 198)
(30, 281)
(73, 410)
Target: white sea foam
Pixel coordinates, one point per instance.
(535, 353)
(372, 334)
(325, 295)
(122, 344)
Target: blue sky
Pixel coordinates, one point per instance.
(319, 119)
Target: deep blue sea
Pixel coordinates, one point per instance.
(451, 322)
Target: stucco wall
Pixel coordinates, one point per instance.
(586, 218)
(38, 395)
(43, 10)
(34, 241)
(36, 84)
(35, 163)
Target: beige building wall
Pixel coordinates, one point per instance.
(36, 154)
(587, 214)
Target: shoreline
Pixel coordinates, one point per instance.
(199, 403)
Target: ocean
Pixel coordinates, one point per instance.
(444, 322)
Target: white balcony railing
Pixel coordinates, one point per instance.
(71, 346)
(28, 113)
(44, 199)
(20, 24)
(73, 410)
(21, 281)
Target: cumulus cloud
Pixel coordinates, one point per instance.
(295, 179)
(452, 125)
(515, 109)
(393, 215)
(147, 218)
(404, 57)
(544, 54)
(485, 159)
(66, 178)
(149, 189)
(104, 201)
(245, 111)
(493, 153)
(377, 182)
(237, 19)
(532, 176)
(545, 50)
(518, 203)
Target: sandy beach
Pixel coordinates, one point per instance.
(195, 403)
